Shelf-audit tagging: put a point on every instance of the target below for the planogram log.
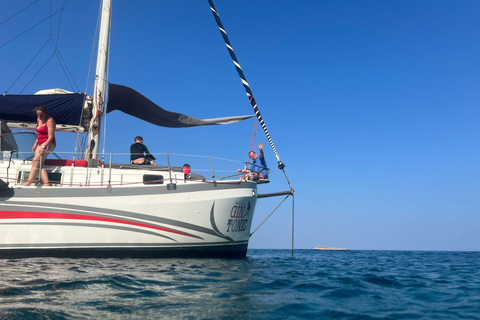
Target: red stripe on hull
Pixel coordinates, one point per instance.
(51, 215)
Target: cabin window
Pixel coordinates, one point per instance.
(54, 178)
(152, 179)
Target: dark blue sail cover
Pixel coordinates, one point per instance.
(64, 108)
(131, 102)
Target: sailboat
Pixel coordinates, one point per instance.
(96, 207)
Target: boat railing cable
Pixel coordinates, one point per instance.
(78, 172)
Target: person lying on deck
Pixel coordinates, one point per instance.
(139, 153)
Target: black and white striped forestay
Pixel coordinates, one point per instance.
(244, 81)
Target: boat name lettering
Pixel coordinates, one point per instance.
(239, 218)
(239, 211)
(237, 225)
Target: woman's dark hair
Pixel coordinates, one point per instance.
(44, 109)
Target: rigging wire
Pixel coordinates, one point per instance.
(253, 102)
(94, 44)
(82, 139)
(281, 165)
(251, 234)
(254, 133)
(51, 21)
(60, 59)
(57, 53)
(105, 94)
(18, 12)
(244, 81)
(64, 66)
(36, 74)
(21, 34)
(59, 25)
(28, 65)
(293, 222)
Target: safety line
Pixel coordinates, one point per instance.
(151, 182)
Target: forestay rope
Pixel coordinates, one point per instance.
(244, 81)
(251, 98)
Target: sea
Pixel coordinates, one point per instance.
(268, 284)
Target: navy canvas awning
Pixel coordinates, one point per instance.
(64, 108)
(131, 102)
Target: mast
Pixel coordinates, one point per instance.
(100, 81)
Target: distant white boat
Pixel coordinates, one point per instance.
(330, 248)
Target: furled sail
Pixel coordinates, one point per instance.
(66, 109)
(131, 102)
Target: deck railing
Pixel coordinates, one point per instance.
(202, 168)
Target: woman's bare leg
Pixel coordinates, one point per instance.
(49, 150)
(33, 177)
(45, 180)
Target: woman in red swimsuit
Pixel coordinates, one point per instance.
(44, 144)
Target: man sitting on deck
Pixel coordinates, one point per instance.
(139, 153)
(258, 168)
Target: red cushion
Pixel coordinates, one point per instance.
(62, 162)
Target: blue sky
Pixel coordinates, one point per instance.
(372, 105)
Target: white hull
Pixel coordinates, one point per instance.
(105, 210)
(186, 218)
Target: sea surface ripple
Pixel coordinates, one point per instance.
(268, 284)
